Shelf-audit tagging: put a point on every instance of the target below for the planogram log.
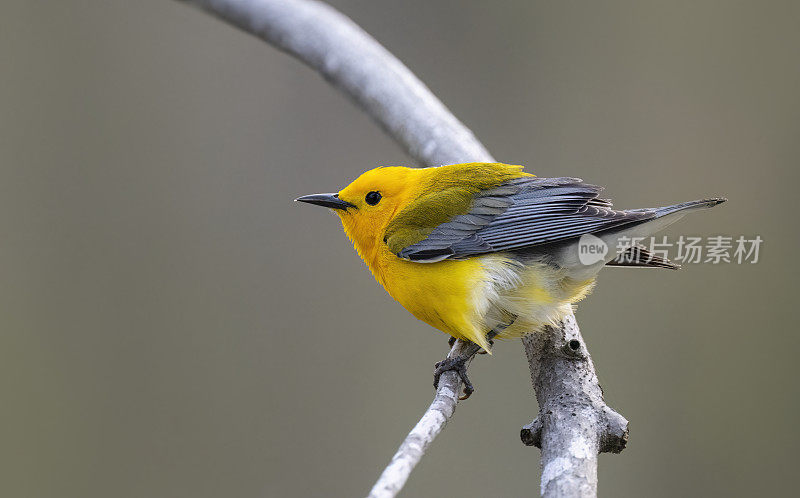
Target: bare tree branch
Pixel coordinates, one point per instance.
(574, 423)
(412, 450)
(352, 61)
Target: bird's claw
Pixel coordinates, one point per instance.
(458, 365)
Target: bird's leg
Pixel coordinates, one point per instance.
(491, 335)
(458, 364)
(495, 332)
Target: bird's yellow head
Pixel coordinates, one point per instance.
(370, 202)
(386, 209)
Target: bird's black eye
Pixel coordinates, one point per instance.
(373, 198)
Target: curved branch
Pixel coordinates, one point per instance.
(574, 422)
(352, 61)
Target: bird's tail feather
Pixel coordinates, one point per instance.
(615, 239)
(639, 257)
(684, 206)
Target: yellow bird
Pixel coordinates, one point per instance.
(483, 250)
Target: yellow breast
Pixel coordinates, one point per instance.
(468, 298)
(445, 295)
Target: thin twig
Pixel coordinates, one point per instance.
(574, 423)
(412, 450)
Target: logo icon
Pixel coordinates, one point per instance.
(591, 249)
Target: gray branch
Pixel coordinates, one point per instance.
(352, 61)
(574, 423)
(408, 455)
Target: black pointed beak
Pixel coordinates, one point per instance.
(326, 200)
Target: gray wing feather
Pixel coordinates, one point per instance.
(520, 214)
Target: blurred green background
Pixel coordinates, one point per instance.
(173, 325)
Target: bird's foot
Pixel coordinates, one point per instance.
(458, 365)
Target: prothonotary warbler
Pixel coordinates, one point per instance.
(481, 250)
